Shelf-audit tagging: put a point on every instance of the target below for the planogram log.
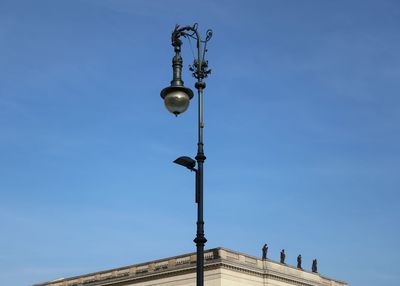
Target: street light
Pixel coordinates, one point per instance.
(176, 98)
(186, 162)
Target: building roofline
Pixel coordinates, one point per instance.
(176, 263)
(278, 263)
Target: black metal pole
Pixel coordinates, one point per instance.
(200, 239)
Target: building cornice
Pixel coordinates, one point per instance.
(186, 264)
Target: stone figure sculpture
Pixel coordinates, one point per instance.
(314, 266)
(299, 261)
(283, 256)
(264, 251)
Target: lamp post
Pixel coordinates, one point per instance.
(176, 98)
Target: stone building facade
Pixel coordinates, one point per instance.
(223, 267)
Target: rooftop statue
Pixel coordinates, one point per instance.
(283, 256)
(314, 266)
(299, 261)
(264, 251)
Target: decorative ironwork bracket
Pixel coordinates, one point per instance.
(199, 68)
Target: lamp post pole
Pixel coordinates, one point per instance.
(177, 98)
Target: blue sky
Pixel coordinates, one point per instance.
(302, 135)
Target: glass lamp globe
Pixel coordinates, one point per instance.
(176, 99)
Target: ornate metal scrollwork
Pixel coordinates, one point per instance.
(199, 68)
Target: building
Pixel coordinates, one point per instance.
(223, 267)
